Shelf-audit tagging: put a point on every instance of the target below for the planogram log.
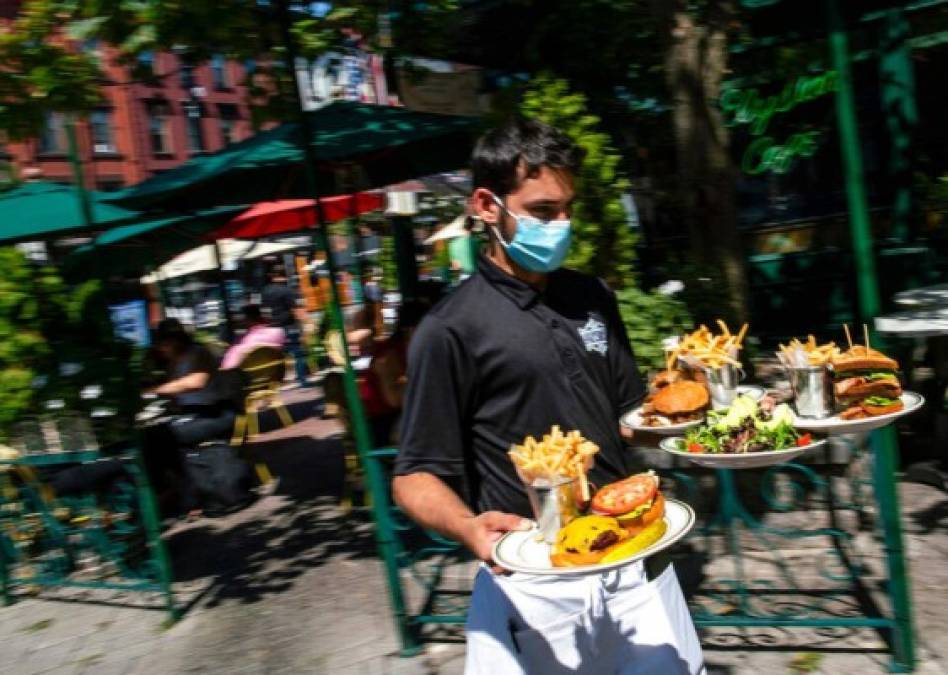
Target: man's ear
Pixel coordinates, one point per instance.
(484, 207)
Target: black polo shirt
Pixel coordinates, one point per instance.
(497, 361)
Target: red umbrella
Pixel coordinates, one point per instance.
(291, 215)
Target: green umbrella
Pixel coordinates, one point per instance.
(135, 248)
(44, 210)
(386, 144)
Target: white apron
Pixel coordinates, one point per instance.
(597, 624)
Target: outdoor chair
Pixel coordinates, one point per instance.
(264, 369)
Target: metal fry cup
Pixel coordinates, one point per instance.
(812, 391)
(554, 505)
(722, 384)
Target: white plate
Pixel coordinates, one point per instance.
(633, 420)
(521, 552)
(834, 425)
(746, 460)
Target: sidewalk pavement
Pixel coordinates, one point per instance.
(290, 585)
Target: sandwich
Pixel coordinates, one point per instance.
(586, 541)
(635, 502)
(675, 403)
(626, 518)
(866, 383)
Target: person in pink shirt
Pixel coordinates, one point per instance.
(259, 334)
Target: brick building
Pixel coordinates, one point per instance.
(171, 113)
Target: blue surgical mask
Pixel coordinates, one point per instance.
(537, 245)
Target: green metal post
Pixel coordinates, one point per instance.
(152, 525)
(85, 206)
(852, 167)
(884, 446)
(885, 442)
(360, 425)
(897, 77)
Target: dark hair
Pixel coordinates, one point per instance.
(171, 330)
(252, 312)
(499, 152)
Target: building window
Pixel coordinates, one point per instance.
(100, 124)
(109, 184)
(219, 72)
(53, 139)
(187, 76)
(228, 116)
(193, 114)
(159, 127)
(145, 68)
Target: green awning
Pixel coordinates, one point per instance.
(136, 248)
(382, 144)
(44, 210)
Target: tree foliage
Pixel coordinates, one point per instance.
(54, 341)
(603, 244)
(41, 72)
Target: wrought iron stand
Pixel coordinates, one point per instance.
(50, 541)
(745, 602)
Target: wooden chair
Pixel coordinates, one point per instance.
(264, 369)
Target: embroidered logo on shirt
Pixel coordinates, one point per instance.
(594, 336)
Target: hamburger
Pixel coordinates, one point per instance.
(586, 541)
(626, 518)
(866, 383)
(667, 377)
(635, 502)
(675, 403)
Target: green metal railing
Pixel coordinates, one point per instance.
(99, 540)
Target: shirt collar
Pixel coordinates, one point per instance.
(522, 293)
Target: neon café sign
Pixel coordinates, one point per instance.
(747, 106)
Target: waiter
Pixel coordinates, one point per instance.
(520, 346)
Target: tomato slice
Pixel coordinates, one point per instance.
(805, 439)
(625, 495)
(695, 447)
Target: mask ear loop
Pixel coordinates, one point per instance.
(497, 200)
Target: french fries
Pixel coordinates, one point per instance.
(712, 351)
(554, 457)
(798, 354)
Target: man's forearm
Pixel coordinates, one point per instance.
(431, 503)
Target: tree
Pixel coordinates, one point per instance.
(40, 72)
(603, 244)
(696, 53)
(56, 340)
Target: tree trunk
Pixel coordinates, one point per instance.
(695, 63)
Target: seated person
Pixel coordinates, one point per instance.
(259, 333)
(202, 411)
(382, 384)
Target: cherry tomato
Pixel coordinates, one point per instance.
(625, 495)
(695, 447)
(805, 439)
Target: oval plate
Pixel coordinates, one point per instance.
(748, 460)
(834, 425)
(521, 552)
(633, 419)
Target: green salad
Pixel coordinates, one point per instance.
(746, 427)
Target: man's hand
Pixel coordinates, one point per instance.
(480, 533)
(626, 433)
